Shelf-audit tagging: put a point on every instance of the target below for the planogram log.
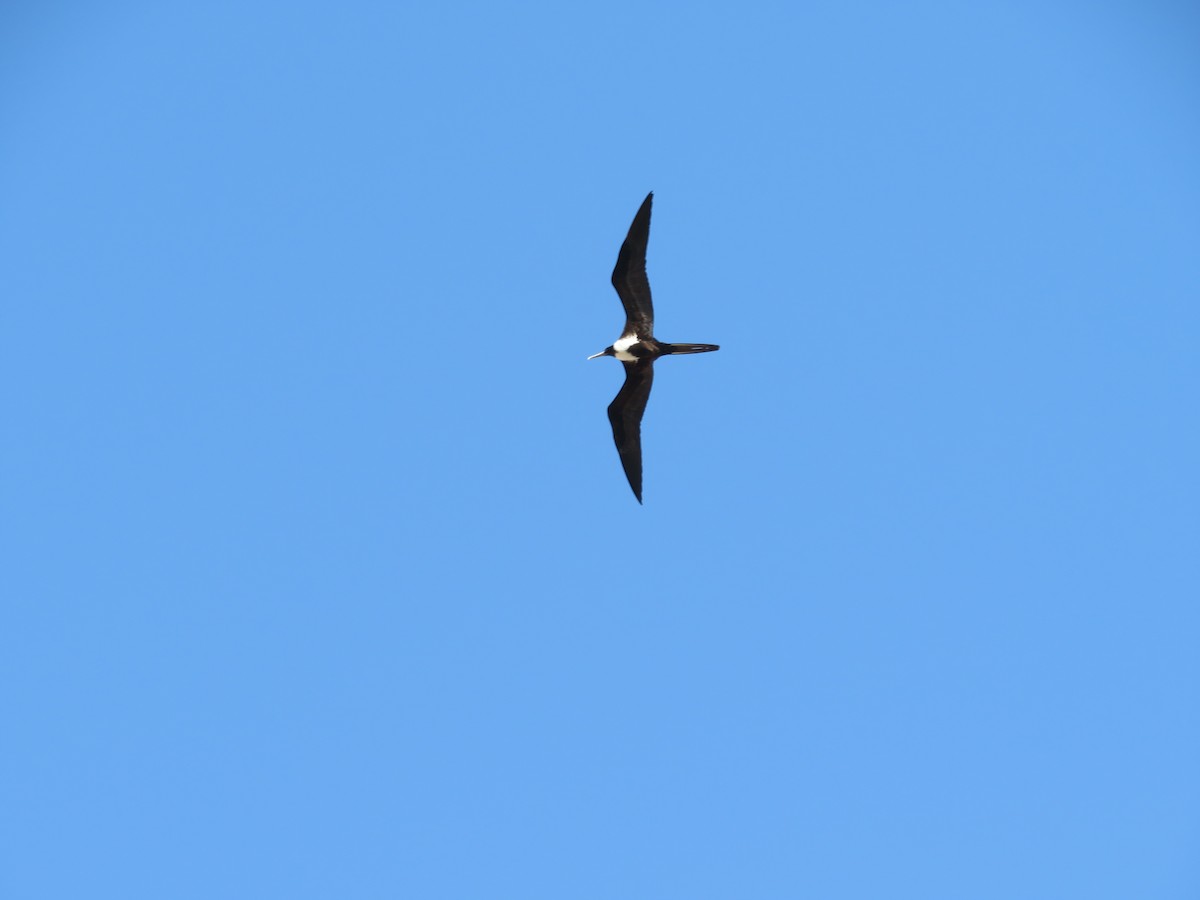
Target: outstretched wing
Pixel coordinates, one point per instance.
(625, 414)
(629, 275)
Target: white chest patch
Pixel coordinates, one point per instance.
(621, 348)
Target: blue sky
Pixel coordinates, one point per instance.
(321, 577)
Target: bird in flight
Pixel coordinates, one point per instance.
(636, 348)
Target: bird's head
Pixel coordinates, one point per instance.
(607, 351)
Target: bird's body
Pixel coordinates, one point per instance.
(636, 348)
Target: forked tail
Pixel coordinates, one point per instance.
(689, 348)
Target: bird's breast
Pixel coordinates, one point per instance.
(631, 348)
(626, 348)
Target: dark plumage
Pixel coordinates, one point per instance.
(636, 348)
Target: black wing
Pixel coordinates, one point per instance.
(625, 414)
(629, 275)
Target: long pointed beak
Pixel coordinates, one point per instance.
(594, 355)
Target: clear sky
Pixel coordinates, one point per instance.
(320, 575)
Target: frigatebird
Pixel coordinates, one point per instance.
(636, 348)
